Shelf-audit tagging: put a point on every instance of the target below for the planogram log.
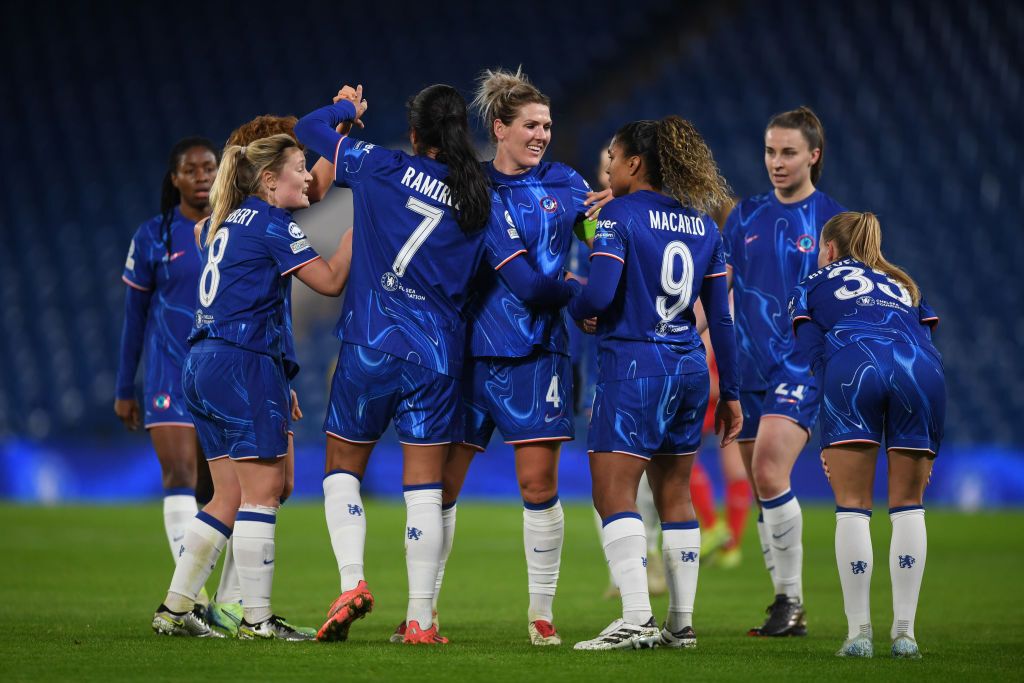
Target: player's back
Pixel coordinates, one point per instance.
(851, 302)
(241, 286)
(667, 250)
(411, 261)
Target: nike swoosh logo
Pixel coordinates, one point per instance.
(778, 536)
(780, 547)
(750, 239)
(549, 420)
(178, 538)
(176, 255)
(538, 550)
(270, 562)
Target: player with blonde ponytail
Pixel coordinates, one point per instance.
(866, 331)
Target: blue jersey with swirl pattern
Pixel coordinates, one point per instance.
(545, 203)
(771, 247)
(849, 303)
(171, 275)
(244, 280)
(411, 261)
(667, 251)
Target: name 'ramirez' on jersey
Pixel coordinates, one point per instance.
(666, 250)
(410, 257)
(771, 248)
(545, 204)
(242, 285)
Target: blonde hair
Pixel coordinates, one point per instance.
(500, 94)
(859, 235)
(677, 161)
(240, 172)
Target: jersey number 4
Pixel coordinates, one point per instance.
(431, 219)
(209, 279)
(553, 398)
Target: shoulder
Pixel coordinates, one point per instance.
(829, 204)
(747, 208)
(149, 228)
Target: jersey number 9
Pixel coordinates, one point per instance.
(681, 287)
(209, 279)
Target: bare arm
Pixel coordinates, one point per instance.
(329, 276)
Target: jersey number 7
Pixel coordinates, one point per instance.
(431, 219)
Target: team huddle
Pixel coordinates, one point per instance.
(454, 324)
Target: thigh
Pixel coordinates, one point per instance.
(261, 481)
(427, 413)
(365, 392)
(916, 409)
(682, 402)
(852, 473)
(854, 396)
(751, 403)
(477, 423)
(164, 401)
(909, 471)
(530, 399)
(227, 493)
(456, 468)
(422, 465)
(176, 446)
(615, 478)
(347, 456)
(669, 476)
(537, 470)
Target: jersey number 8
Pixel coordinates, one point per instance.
(208, 287)
(681, 287)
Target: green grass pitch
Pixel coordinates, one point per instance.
(79, 585)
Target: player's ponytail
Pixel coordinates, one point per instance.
(676, 161)
(240, 172)
(170, 197)
(859, 235)
(500, 94)
(439, 118)
(809, 125)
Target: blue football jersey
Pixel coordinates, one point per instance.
(244, 281)
(411, 262)
(171, 276)
(771, 247)
(666, 250)
(850, 302)
(545, 203)
(291, 359)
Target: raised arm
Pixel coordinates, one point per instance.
(318, 129)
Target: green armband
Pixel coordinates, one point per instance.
(586, 229)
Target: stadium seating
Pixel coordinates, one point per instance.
(918, 100)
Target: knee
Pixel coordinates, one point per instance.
(179, 472)
(538, 488)
(770, 480)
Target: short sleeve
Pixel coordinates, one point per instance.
(798, 309)
(927, 314)
(354, 160)
(288, 244)
(729, 236)
(611, 238)
(716, 266)
(502, 240)
(138, 267)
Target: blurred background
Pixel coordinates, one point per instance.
(920, 99)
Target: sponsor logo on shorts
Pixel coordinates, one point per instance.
(549, 204)
(806, 243)
(162, 401)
